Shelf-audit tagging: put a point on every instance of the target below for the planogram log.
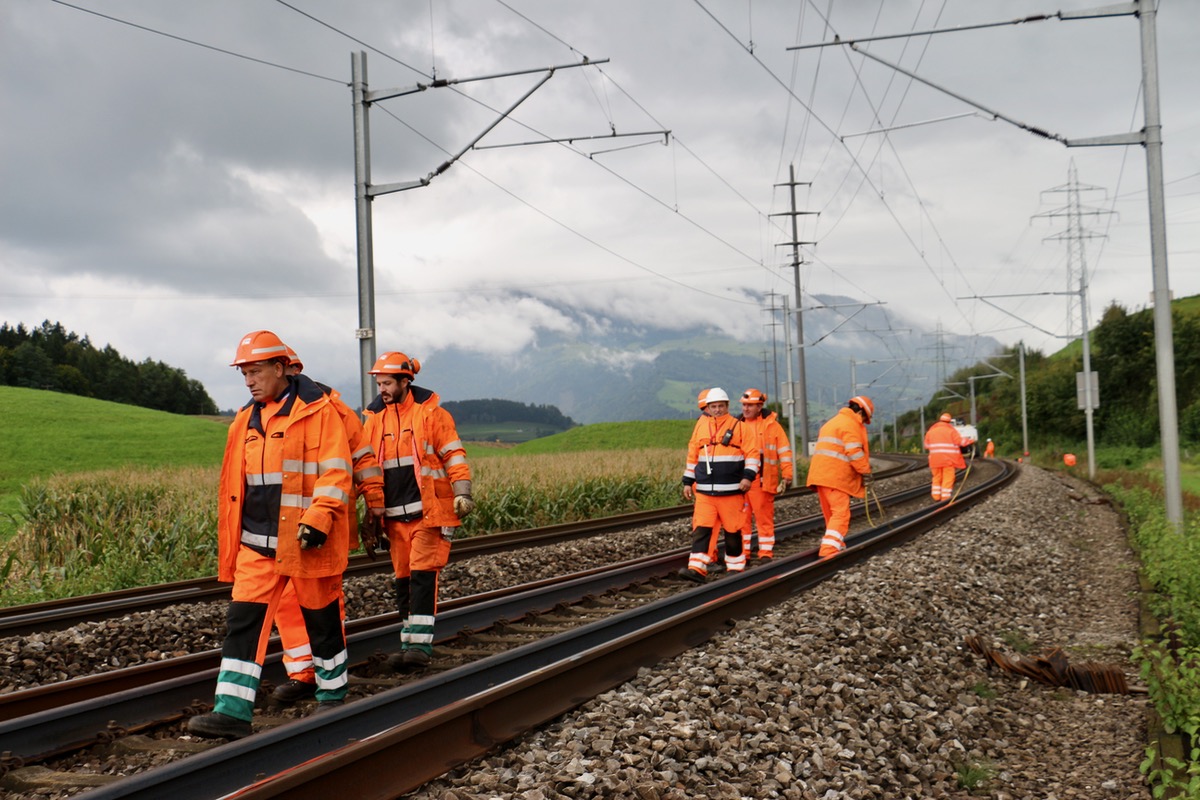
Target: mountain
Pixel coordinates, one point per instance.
(618, 371)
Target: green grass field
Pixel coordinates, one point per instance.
(615, 436)
(501, 432)
(47, 433)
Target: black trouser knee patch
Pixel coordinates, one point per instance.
(733, 543)
(424, 592)
(325, 629)
(243, 626)
(401, 585)
(700, 539)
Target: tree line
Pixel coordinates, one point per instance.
(494, 410)
(52, 358)
(1123, 356)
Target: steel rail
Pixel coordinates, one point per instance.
(69, 715)
(35, 617)
(365, 749)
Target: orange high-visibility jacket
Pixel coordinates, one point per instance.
(716, 466)
(943, 441)
(438, 458)
(368, 475)
(315, 479)
(776, 450)
(841, 456)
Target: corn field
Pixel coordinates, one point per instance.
(117, 529)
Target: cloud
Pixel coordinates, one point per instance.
(168, 195)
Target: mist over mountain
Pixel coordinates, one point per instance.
(614, 370)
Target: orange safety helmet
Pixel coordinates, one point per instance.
(863, 403)
(945, 418)
(259, 346)
(702, 399)
(395, 363)
(754, 396)
(294, 360)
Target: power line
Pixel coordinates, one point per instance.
(195, 43)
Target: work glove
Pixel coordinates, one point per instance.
(869, 481)
(782, 487)
(463, 505)
(310, 538)
(370, 533)
(452, 532)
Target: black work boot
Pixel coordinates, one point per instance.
(293, 691)
(219, 726)
(415, 659)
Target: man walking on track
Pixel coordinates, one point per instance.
(289, 620)
(944, 444)
(722, 462)
(775, 476)
(283, 517)
(840, 468)
(427, 490)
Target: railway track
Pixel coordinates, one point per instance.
(37, 617)
(504, 639)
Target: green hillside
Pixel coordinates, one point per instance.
(1122, 349)
(614, 436)
(48, 432)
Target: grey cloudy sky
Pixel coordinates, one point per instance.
(166, 197)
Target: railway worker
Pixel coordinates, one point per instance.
(427, 491)
(944, 443)
(368, 484)
(990, 450)
(775, 474)
(283, 517)
(722, 462)
(840, 468)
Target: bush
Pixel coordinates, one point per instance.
(1171, 560)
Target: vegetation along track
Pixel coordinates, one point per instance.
(581, 635)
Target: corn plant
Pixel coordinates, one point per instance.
(115, 529)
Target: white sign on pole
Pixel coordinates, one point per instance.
(1080, 394)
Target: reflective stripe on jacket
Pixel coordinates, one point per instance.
(315, 484)
(775, 449)
(717, 466)
(841, 456)
(368, 475)
(943, 442)
(438, 458)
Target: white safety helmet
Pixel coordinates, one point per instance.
(716, 395)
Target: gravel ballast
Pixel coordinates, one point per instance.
(864, 688)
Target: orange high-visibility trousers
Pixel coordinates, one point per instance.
(257, 591)
(711, 514)
(293, 635)
(835, 505)
(762, 514)
(942, 488)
